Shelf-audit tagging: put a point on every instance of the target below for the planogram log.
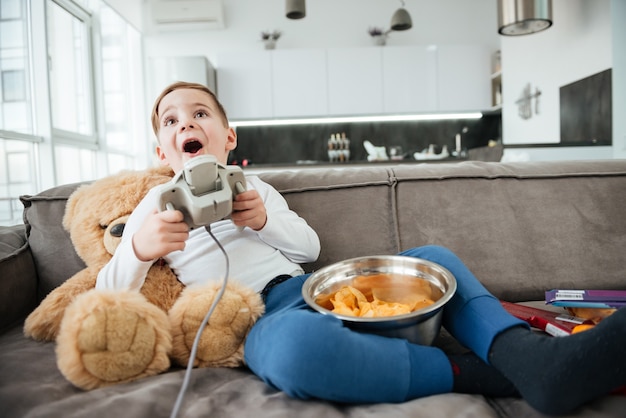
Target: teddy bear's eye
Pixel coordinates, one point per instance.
(104, 226)
(117, 230)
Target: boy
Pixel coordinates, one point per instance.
(309, 355)
(189, 121)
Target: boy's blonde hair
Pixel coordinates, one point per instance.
(183, 85)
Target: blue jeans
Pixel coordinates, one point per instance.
(309, 355)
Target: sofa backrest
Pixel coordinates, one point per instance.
(521, 227)
(524, 228)
(50, 245)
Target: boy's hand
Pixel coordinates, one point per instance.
(160, 234)
(249, 210)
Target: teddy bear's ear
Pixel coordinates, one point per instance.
(70, 206)
(161, 170)
(137, 181)
(166, 170)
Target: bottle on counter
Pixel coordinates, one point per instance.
(332, 148)
(345, 146)
(340, 156)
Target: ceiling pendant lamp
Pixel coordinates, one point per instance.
(295, 9)
(523, 17)
(401, 19)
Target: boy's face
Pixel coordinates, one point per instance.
(191, 125)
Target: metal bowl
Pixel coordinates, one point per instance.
(421, 326)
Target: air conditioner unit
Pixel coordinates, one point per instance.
(188, 14)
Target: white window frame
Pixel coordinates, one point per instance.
(66, 137)
(44, 138)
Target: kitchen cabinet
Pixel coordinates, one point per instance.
(409, 79)
(463, 78)
(167, 70)
(355, 83)
(299, 83)
(244, 84)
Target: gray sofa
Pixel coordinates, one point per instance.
(522, 228)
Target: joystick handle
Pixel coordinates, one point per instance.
(239, 188)
(201, 196)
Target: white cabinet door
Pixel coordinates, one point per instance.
(409, 79)
(299, 83)
(464, 81)
(354, 81)
(355, 84)
(244, 84)
(166, 70)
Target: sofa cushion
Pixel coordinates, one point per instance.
(520, 226)
(353, 211)
(51, 247)
(19, 278)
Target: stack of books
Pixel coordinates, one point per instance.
(561, 324)
(603, 299)
(553, 323)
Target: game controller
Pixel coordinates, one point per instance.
(203, 191)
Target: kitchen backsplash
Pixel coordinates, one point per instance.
(309, 143)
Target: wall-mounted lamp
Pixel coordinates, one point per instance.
(401, 19)
(523, 17)
(295, 9)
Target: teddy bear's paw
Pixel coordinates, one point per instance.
(111, 337)
(221, 342)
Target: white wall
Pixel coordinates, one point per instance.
(587, 37)
(577, 45)
(132, 10)
(558, 153)
(332, 23)
(618, 15)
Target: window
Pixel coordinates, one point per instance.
(82, 166)
(16, 111)
(17, 176)
(17, 128)
(13, 86)
(70, 72)
(121, 81)
(87, 118)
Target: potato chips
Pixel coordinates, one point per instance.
(380, 296)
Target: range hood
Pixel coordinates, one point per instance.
(523, 17)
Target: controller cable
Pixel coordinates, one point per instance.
(194, 348)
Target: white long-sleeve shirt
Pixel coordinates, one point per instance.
(255, 257)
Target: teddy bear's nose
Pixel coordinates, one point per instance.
(116, 230)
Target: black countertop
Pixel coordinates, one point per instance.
(304, 164)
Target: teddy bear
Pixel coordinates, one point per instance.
(106, 337)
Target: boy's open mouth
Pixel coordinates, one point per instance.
(192, 147)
